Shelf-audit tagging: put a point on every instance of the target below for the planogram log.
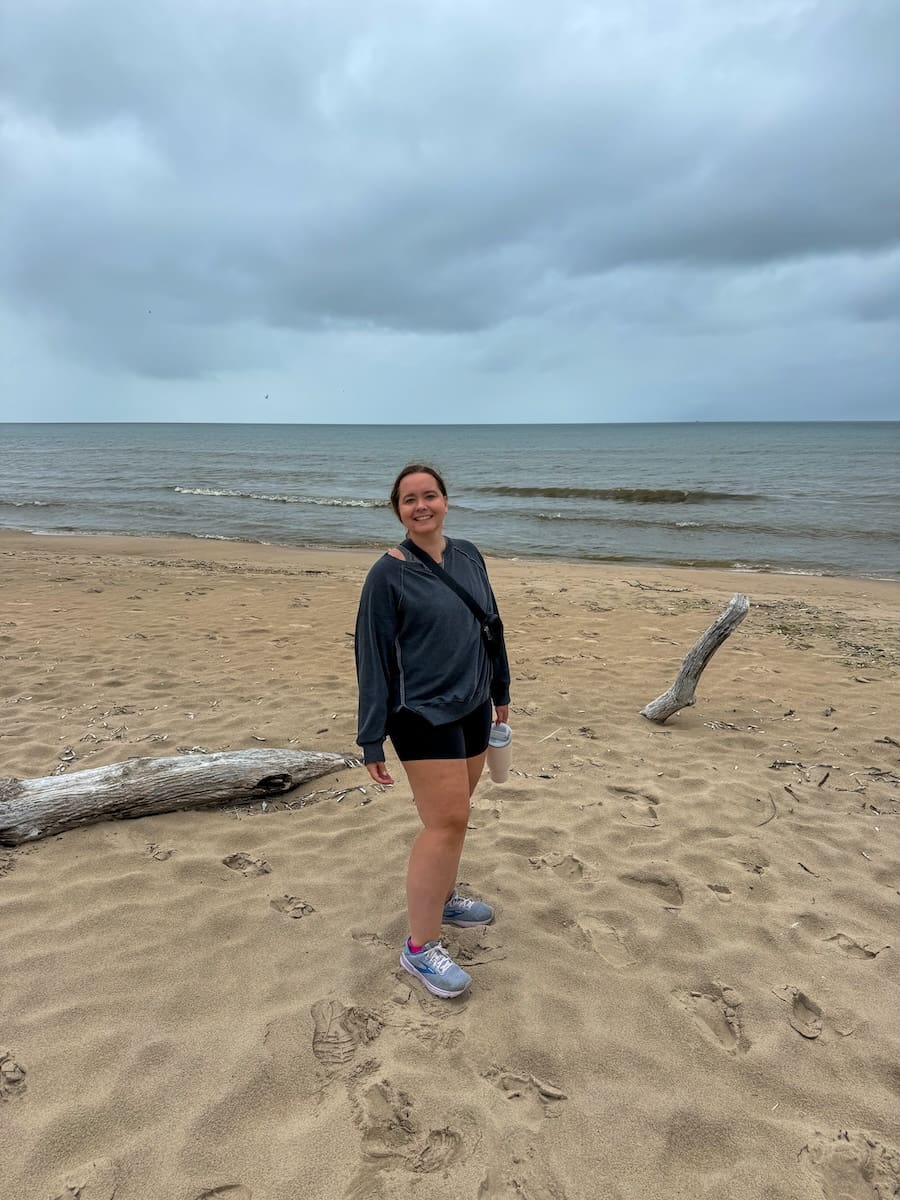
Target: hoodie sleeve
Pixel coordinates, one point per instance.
(500, 678)
(376, 627)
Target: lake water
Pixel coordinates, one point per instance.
(776, 496)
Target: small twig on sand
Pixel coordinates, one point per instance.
(769, 818)
(651, 587)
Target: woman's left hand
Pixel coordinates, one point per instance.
(502, 711)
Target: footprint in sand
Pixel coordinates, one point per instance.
(392, 1138)
(853, 1166)
(757, 865)
(805, 1015)
(567, 866)
(93, 1181)
(12, 1076)
(247, 865)
(480, 947)
(642, 810)
(292, 906)
(720, 891)
(340, 1031)
(537, 1098)
(852, 947)
(717, 1013)
(594, 934)
(532, 1183)
(414, 1004)
(663, 887)
(364, 938)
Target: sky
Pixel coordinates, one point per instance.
(429, 211)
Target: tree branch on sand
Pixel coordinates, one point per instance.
(37, 808)
(681, 693)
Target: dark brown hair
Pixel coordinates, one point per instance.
(414, 469)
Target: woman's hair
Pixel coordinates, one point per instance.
(414, 469)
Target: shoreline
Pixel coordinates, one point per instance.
(537, 560)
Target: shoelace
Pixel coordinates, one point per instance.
(460, 901)
(438, 958)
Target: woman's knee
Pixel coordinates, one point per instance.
(448, 815)
(441, 791)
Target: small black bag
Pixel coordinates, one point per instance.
(490, 623)
(492, 633)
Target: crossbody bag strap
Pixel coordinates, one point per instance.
(447, 578)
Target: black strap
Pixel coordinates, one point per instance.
(445, 577)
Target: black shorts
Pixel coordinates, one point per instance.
(414, 738)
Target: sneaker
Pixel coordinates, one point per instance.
(436, 969)
(465, 912)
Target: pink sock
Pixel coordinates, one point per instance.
(414, 949)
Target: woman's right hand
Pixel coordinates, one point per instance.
(380, 774)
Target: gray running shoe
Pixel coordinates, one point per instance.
(436, 969)
(464, 912)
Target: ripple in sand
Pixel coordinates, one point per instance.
(231, 1191)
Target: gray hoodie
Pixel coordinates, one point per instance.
(419, 647)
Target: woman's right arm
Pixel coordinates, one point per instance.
(376, 632)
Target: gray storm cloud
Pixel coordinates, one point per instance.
(175, 172)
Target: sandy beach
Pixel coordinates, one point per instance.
(691, 986)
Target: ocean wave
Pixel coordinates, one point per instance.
(732, 528)
(327, 502)
(30, 504)
(622, 494)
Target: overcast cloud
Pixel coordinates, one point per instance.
(428, 210)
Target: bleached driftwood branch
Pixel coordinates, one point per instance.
(36, 808)
(681, 693)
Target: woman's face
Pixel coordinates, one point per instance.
(421, 506)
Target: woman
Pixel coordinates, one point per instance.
(426, 681)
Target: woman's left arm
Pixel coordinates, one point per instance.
(500, 679)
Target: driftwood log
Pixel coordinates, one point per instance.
(681, 693)
(36, 808)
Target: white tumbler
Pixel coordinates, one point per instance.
(499, 753)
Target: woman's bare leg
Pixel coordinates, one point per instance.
(441, 788)
(474, 768)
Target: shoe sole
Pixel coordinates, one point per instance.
(466, 924)
(433, 988)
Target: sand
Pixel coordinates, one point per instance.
(691, 986)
